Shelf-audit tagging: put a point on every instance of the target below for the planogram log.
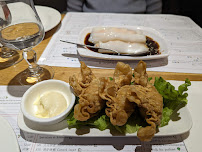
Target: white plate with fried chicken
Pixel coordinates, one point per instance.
(127, 93)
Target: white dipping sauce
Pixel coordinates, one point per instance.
(50, 104)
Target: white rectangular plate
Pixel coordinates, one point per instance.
(154, 34)
(178, 127)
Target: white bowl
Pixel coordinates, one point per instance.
(31, 95)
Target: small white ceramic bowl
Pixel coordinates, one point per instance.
(31, 95)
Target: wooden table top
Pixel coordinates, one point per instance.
(8, 75)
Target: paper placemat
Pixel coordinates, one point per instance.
(182, 35)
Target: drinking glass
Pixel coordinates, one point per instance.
(23, 32)
(8, 57)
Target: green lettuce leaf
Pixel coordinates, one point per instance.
(133, 124)
(101, 122)
(172, 99)
(166, 116)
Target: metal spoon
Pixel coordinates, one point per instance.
(90, 46)
(118, 53)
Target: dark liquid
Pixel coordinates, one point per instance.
(151, 44)
(86, 42)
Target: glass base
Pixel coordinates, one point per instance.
(43, 73)
(9, 59)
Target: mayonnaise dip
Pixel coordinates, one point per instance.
(50, 104)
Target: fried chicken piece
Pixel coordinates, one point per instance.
(149, 101)
(83, 80)
(150, 104)
(86, 75)
(119, 108)
(75, 84)
(122, 108)
(122, 74)
(86, 87)
(115, 92)
(89, 102)
(140, 75)
(107, 90)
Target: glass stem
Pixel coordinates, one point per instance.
(30, 57)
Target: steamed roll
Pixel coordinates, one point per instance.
(105, 34)
(123, 47)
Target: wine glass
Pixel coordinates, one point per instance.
(23, 32)
(8, 57)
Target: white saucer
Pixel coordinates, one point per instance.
(50, 17)
(8, 140)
